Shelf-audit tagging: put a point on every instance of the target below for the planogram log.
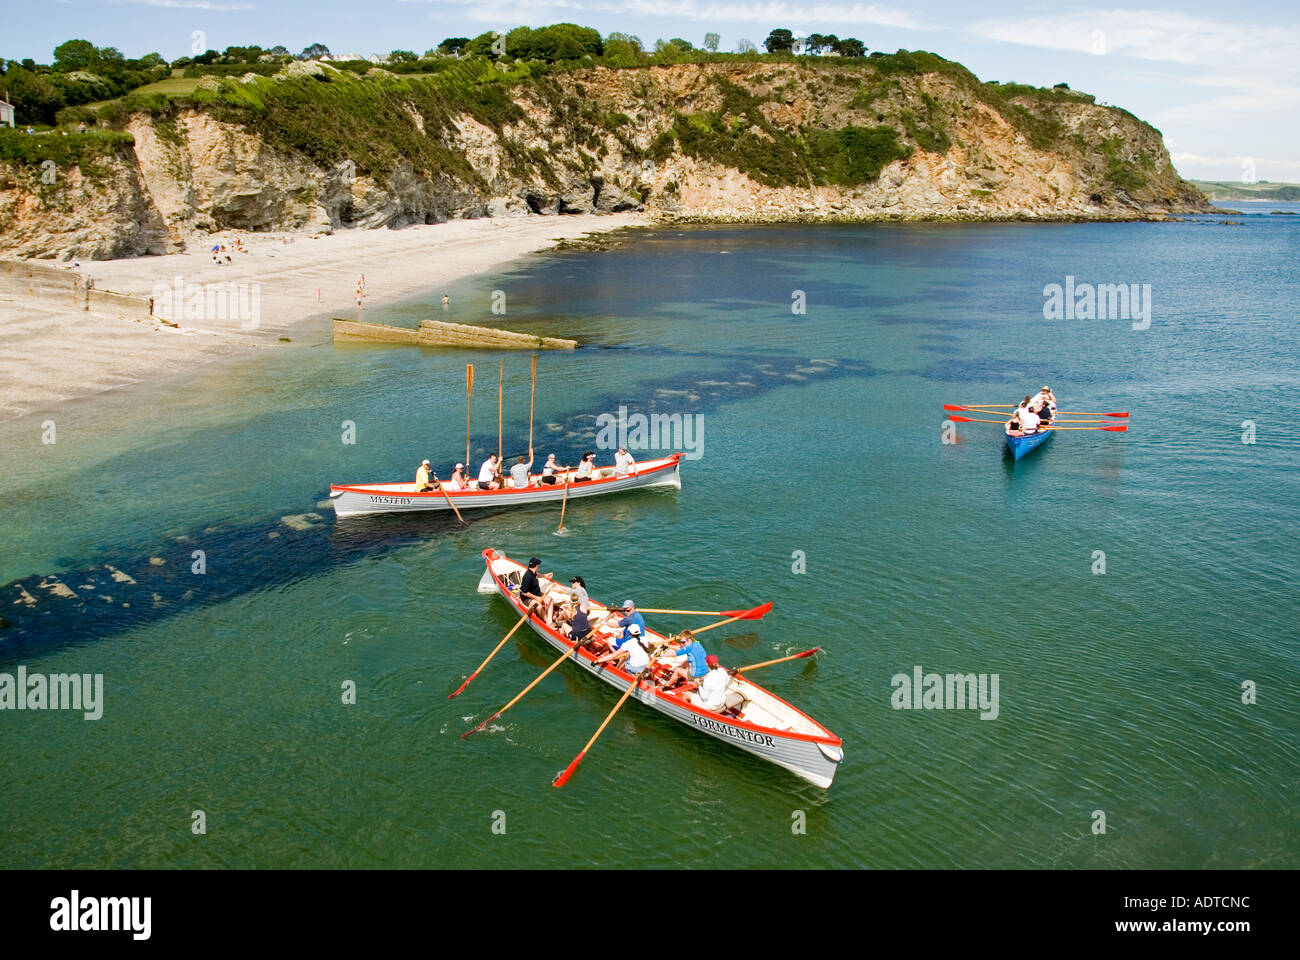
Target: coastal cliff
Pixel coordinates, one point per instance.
(315, 149)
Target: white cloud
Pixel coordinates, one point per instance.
(185, 4)
(1148, 35)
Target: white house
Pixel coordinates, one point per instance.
(6, 114)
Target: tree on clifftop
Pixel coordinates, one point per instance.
(314, 52)
(779, 40)
(711, 41)
(852, 47)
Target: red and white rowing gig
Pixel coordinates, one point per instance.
(767, 727)
(351, 500)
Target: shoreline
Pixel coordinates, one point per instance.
(50, 354)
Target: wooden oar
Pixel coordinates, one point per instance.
(528, 613)
(501, 382)
(564, 776)
(564, 503)
(531, 397)
(1089, 413)
(1112, 429)
(768, 663)
(1059, 420)
(542, 676)
(723, 623)
(469, 399)
(969, 420)
(989, 406)
(438, 483)
(757, 613)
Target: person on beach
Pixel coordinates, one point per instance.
(519, 472)
(457, 481)
(487, 474)
(422, 478)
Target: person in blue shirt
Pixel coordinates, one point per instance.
(691, 661)
(630, 616)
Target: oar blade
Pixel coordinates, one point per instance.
(461, 688)
(756, 613)
(567, 772)
(962, 419)
(1116, 429)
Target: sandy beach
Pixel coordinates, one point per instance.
(50, 353)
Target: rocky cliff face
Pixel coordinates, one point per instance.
(708, 141)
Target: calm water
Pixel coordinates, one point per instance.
(1119, 692)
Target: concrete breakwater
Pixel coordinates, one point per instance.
(438, 333)
(67, 286)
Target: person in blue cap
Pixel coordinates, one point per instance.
(630, 616)
(688, 659)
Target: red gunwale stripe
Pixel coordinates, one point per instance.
(830, 739)
(456, 494)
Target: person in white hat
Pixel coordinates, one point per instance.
(632, 655)
(457, 481)
(422, 478)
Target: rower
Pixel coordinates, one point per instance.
(422, 478)
(1028, 420)
(585, 467)
(487, 474)
(713, 694)
(519, 472)
(631, 655)
(581, 601)
(623, 463)
(579, 626)
(689, 661)
(630, 619)
(530, 588)
(550, 469)
(457, 481)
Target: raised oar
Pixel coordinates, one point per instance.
(970, 420)
(439, 485)
(723, 623)
(542, 676)
(564, 503)
(480, 667)
(564, 776)
(1111, 429)
(531, 397)
(768, 663)
(1089, 413)
(501, 382)
(469, 400)
(757, 613)
(975, 406)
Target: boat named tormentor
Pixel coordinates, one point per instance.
(767, 726)
(354, 499)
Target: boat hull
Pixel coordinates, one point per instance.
(813, 758)
(351, 500)
(1020, 446)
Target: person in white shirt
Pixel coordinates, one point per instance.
(712, 693)
(487, 474)
(457, 481)
(1028, 421)
(633, 656)
(519, 472)
(623, 463)
(586, 466)
(550, 469)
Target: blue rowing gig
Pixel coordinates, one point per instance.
(1021, 444)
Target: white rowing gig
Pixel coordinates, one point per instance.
(351, 500)
(767, 726)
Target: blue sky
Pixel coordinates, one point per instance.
(1222, 82)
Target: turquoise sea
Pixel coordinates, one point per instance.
(824, 486)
